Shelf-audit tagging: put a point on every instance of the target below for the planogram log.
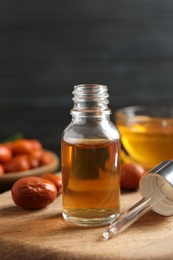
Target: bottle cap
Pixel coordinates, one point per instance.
(161, 174)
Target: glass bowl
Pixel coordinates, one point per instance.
(146, 133)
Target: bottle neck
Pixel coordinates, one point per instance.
(90, 100)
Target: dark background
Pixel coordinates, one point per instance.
(47, 47)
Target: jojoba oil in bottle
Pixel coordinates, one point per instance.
(90, 155)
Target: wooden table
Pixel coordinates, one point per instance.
(44, 234)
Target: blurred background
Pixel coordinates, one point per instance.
(47, 47)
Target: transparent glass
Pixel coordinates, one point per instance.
(146, 133)
(90, 156)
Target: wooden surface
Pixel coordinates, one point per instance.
(44, 234)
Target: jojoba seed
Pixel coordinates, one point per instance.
(55, 179)
(33, 192)
(131, 174)
(1, 170)
(22, 146)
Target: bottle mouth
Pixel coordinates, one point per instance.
(91, 98)
(85, 92)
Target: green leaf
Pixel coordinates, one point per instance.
(13, 138)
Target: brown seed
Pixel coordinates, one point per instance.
(55, 179)
(33, 192)
(131, 174)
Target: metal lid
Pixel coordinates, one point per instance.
(161, 174)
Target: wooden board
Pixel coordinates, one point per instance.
(44, 234)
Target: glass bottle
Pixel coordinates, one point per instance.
(90, 156)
